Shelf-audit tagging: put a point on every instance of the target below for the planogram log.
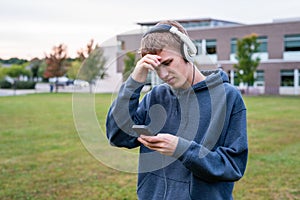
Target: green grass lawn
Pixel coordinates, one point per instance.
(42, 156)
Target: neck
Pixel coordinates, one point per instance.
(197, 76)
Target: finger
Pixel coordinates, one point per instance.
(152, 60)
(150, 145)
(151, 139)
(144, 65)
(159, 147)
(149, 66)
(152, 56)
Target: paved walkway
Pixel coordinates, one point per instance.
(41, 88)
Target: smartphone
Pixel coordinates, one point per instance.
(143, 130)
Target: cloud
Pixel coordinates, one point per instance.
(31, 26)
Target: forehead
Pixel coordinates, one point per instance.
(166, 53)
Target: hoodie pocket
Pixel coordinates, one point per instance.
(153, 187)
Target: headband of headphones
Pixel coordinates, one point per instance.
(188, 48)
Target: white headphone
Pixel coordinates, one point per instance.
(188, 48)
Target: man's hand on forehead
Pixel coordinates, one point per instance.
(153, 60)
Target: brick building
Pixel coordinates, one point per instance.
(279, 69)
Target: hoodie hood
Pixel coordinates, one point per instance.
(213, 79)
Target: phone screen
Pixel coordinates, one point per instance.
(142, 130)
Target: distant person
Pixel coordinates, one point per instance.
(51, 87)
(199, 148)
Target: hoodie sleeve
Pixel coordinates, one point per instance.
(226, 162)
(123, 114)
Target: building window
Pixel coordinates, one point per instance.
(263, 43)
(262, 40)
(292, 42)
(259, 78)
(211, 46)
(233, 45)
(189, 25)
(121, 45)
(287, 78)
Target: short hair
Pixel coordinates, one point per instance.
(154, 43)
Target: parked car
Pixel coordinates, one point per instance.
(61, 81)
(81, 83)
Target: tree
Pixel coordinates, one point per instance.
(77, 62)
(2, 73)
(35, 65)
(93, 67)
(129, 64)
(56, 65)
(84, 53)
(247, 64)
(74, 69)
(42, 69)
(11, 61)
(15, 71)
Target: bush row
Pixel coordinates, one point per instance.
(18, 85)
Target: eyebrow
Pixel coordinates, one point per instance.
(166, 61)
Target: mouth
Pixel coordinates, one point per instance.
(170, 80)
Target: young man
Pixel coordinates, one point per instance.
(199, 143)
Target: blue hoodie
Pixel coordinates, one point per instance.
(210, 120)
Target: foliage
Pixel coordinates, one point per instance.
(16, 61)
(42, 69)
(56, 65)
(5, 84)
(129, 64)
(84, 53)
(74, 69)
(15, 71)
(2, 72)
(18, 85)
(247, 64)
(93, 67)
(25, 85)
(35, 66)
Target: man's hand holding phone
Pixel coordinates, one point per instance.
(143, 130)
(163, 143)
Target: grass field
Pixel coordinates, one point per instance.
(42, 157)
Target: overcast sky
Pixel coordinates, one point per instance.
(30, 28)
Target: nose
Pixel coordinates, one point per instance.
(163, 73)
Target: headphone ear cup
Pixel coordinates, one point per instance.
(186, 54)
(189, 49)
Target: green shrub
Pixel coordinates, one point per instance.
(5, 84)
(19, 85)
(25, 85)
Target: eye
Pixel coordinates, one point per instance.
(167, 62)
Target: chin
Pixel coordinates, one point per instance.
(177, 86)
